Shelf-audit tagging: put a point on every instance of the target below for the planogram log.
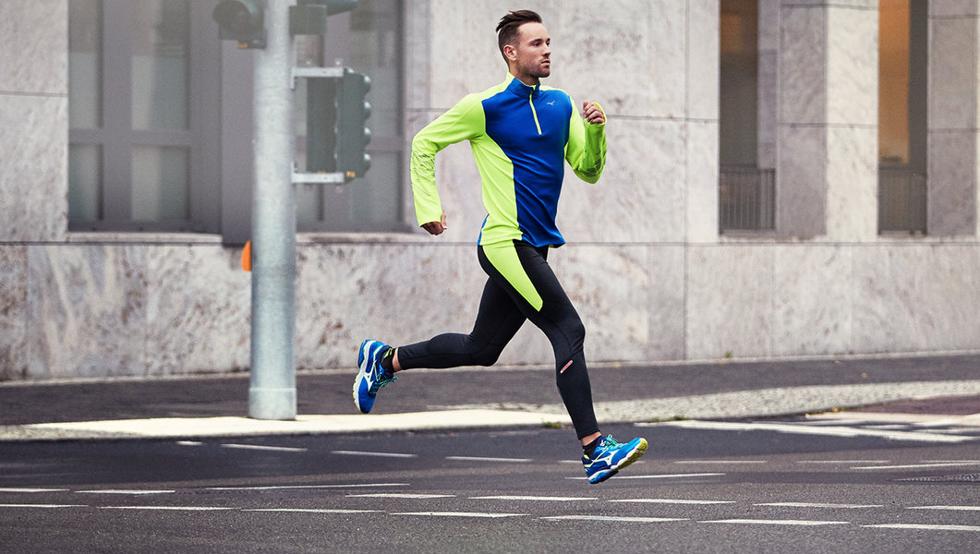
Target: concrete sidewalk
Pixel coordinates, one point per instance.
(193, 407)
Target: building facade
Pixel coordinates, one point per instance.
(125, 171)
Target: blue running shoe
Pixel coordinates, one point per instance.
(370, 375)
(610, 456)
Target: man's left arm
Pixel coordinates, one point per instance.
(586, 147)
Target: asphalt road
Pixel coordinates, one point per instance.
(699, 489)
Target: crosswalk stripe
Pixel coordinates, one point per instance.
(636, 519)
(457, 514)
(951, 508)
(925, 527)
(541, 498)
(671, 501)
(263, 447)
(399, 495)
(376, 454)
(818, 505)
(804, 522)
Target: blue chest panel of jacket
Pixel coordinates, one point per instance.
(531, 127)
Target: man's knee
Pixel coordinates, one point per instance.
(486, 356)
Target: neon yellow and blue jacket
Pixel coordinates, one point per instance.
(520, 136)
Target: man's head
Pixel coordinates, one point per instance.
(524, 43)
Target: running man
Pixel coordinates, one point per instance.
(521, 134)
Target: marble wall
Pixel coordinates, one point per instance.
(33, 120)
(954, 100)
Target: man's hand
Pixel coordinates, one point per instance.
(592, 113)
(436, 227)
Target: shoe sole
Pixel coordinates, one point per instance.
(633, 456)
(361, 359)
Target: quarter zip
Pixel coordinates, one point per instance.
(534, 112)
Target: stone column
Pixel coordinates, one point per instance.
(828, 133)
(954, 98)
(701, 127)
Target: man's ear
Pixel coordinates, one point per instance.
(510, 52)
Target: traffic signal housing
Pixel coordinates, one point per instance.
(353, 135)
(241, 20)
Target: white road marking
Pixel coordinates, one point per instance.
(377, 454)
(614, 518)
(888, 426)
(921, 466)
(818, 505)
(456, 514)
(17, 489)
(658, 476)
(805, 522)
(923, 526)
(190, 443)
(485, 459)
(171, 508)
(314, 510)
(44, 506)
(726, 462)
(124, 491)
(262, 447)
(954, 508)
(833, 431)
(541, 498)
(671, 501)
(950, 461)
(844, 462)
(291, 487)
(399, 495)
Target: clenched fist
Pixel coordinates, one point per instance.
(593, 113)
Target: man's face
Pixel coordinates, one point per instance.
(533, 51)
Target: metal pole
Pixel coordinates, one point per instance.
(272, 386)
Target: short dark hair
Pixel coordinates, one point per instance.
(509, 24)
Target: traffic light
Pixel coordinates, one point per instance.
(241, 20)
(353, 136)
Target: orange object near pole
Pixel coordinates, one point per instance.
(247, 256)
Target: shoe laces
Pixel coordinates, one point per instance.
(610, 442)
(382, 382)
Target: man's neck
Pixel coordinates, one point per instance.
(526, 79)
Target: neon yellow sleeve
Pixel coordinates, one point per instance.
(586, 148)
(464, 121)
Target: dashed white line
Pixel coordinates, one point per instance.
(819, 505)
(399, 495)
(43, 506)
(658, 476)
(534, 498)
(951, 508)
(920, 466)
(725, 462)
(950, 461)
(486, 459)
(297, 487)
(171, 508)
(834, 431)
(124, 491)
(29, 490)
(924, 526)
(189, 443)
(844, 462)
(376, 454)
(671, 501)
(263, 447)
(457, 514)
(314, 510)
(634, 519)
(804, 522)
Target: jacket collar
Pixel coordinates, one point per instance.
(516, 86)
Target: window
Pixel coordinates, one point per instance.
(746, 192)
(369, 40)
(142, 135)
(903, 36)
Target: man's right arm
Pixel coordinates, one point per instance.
(464, 121)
